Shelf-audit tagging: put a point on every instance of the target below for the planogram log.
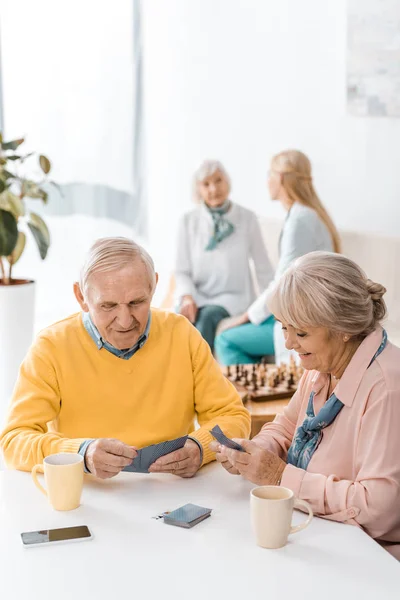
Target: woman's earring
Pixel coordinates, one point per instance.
(346, 338)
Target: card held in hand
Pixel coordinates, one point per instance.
(187, 516)
(148, 455)
(224, 440)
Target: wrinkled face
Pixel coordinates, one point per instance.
(274, 184)
(317, 347)
(119, 304)
(214, 189)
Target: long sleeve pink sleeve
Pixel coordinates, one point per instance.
(370, 499)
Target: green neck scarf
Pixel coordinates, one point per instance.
(222, 227)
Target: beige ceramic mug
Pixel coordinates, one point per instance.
(271, 515)
(63, 474)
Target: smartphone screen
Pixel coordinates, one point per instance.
(63, 534)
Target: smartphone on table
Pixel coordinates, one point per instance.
(78, 533)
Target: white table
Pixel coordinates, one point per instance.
(135, 556)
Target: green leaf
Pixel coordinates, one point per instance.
(4, 174)
(8, 233)
(13, 145)
(14, 157)
(12, 203)
(31, 189)
(40, 232)
(44, 196)
(18, 250)
(2, 185)
(45, 164)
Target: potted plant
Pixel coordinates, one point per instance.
(17, 295)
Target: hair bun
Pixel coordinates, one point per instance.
(375, 290)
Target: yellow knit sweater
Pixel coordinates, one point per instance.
(68, 391)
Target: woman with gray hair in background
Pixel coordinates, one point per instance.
(337, 444)
(216, 242)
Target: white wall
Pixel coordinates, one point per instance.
(240, 80)
(68, 85)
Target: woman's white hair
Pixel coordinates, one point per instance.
(323, 289)
(112, 254)
(207, 168)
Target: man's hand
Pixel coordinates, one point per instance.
(231, 322)
(189, 308)
(107, 457)
(256, 464)
(222, 459)
(184, 462)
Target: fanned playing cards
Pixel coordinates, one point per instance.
(224, 440)
(146, 456)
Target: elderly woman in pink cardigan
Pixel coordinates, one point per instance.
(337, 444)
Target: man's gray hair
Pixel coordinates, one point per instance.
(207, 168)
(112, 254)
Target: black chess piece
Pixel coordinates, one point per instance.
(246, 377)
(237, 378)
(254, 382)
(290, 381)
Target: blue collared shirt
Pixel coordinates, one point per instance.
(100, 343)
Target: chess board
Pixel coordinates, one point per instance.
(264, 381)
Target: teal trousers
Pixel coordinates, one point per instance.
(208, 318)
(245, 344)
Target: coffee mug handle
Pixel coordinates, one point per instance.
(35, 479)
(302, 504)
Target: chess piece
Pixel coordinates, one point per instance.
(290, 381)
(237, 378)
(228, 372)
(246, 378)
(254, 382)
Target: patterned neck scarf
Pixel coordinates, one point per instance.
(222, 227)
(309, 434)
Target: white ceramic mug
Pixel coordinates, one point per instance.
(63, 474)
(271, 515)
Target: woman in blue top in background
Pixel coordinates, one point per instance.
(307, 227)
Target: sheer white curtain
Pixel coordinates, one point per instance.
(71, 84)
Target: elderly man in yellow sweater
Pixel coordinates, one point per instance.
(119, 376)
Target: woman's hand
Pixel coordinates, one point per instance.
(231, 322)
(189, 308)
(222, 459)
(256, 464)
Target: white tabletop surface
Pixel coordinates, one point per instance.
(135, 556)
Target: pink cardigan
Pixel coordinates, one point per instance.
(354, 475)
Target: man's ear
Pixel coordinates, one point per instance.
(80, 298)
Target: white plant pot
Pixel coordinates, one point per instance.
(17, 304)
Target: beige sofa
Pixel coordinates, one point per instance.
(379, 256)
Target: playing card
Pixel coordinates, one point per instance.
(224, 440)
(146, 456)
(187, 516)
